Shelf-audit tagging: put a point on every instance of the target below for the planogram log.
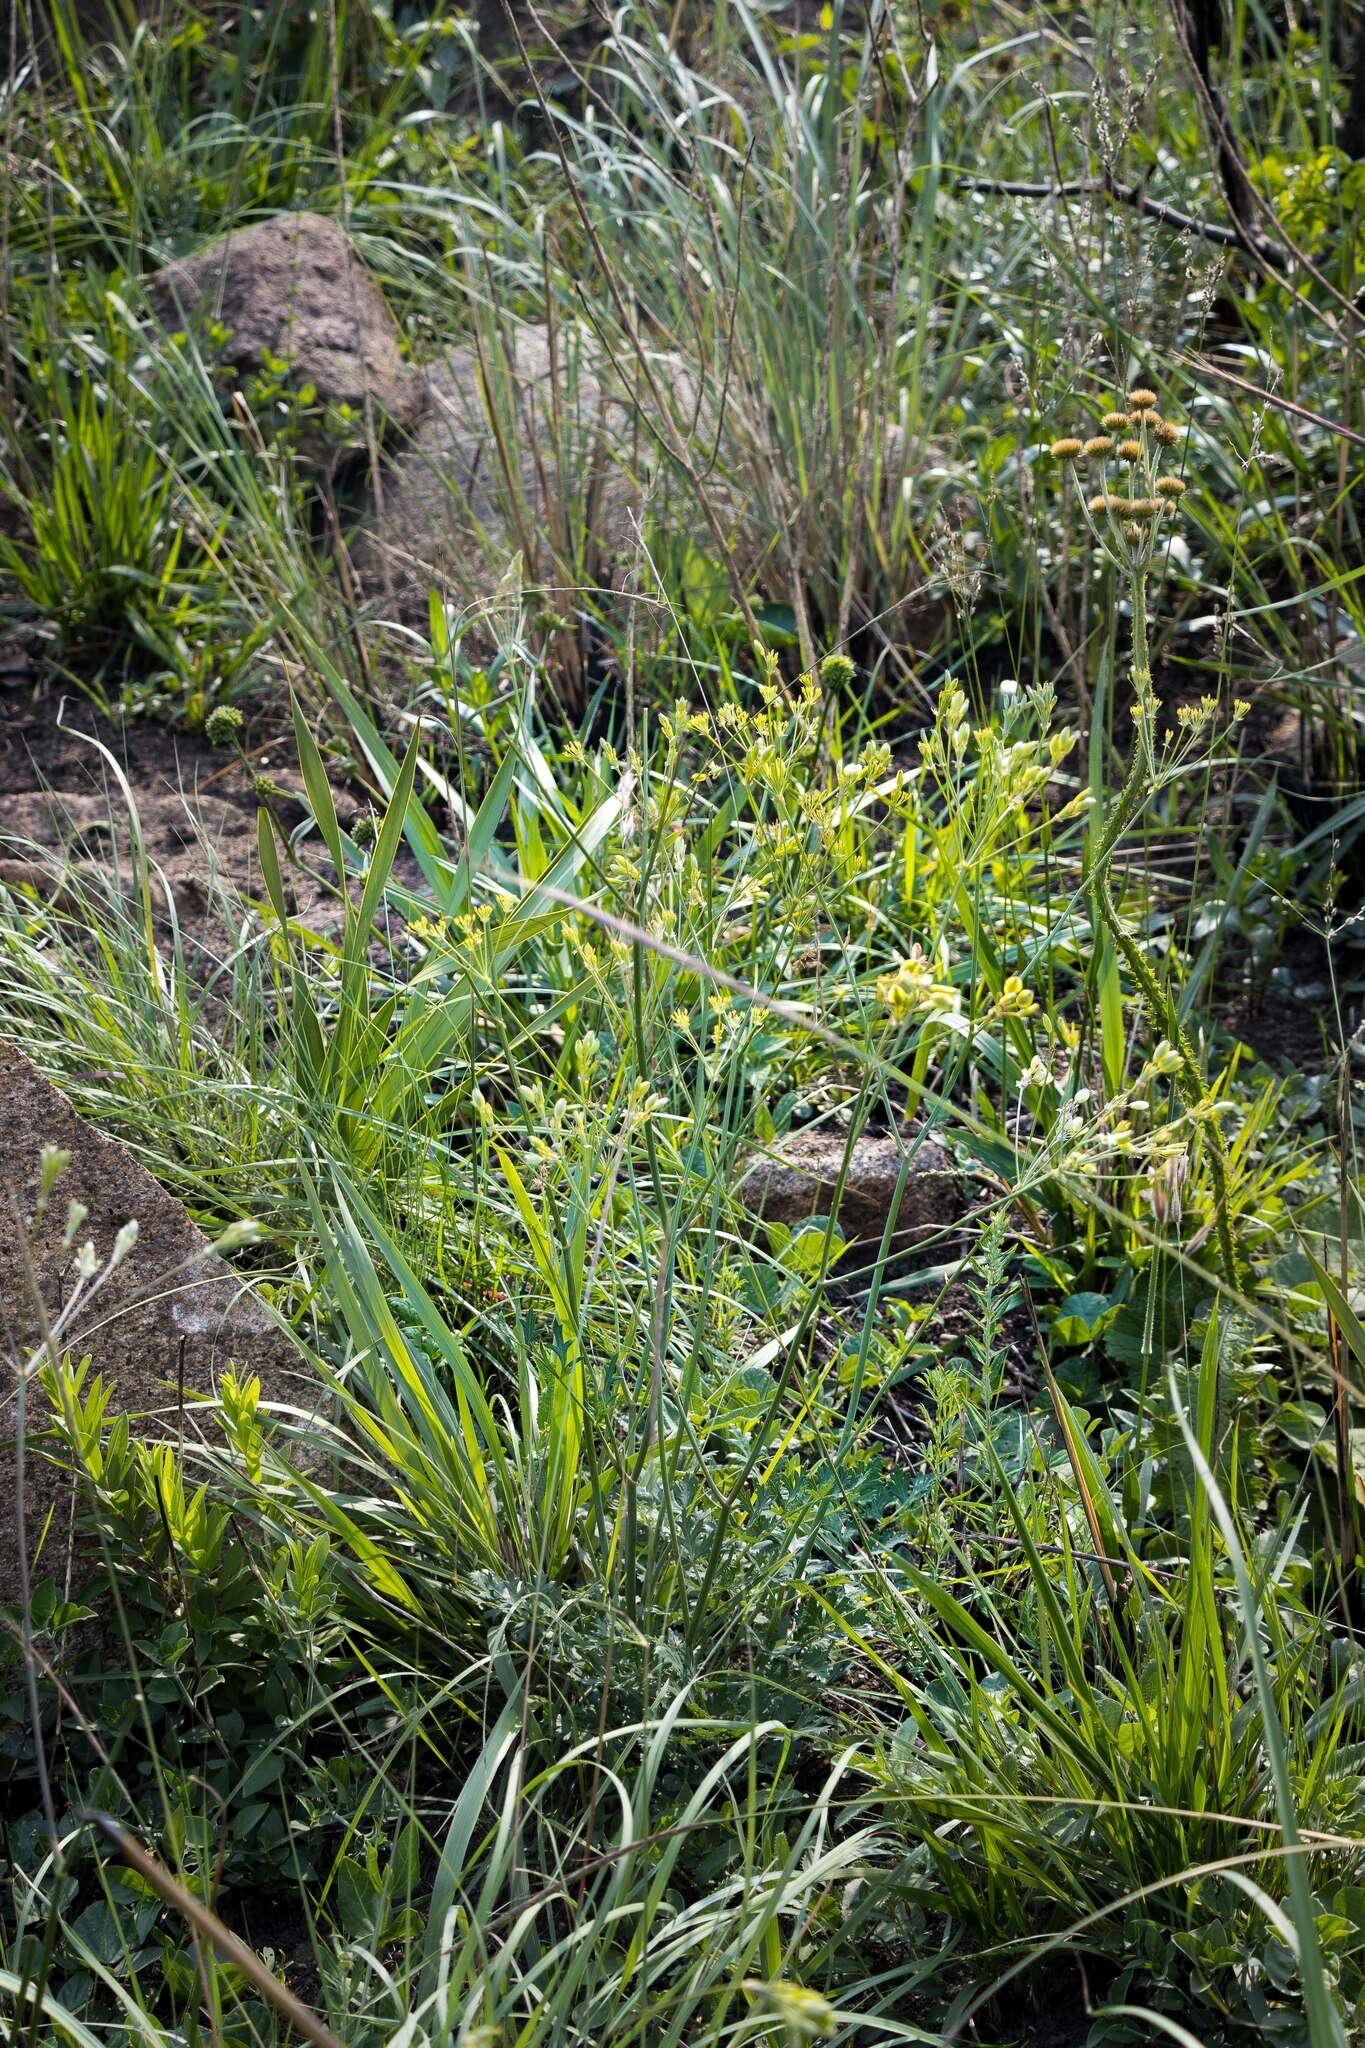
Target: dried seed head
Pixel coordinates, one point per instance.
(1142, 400)
(1098, 444)
(1167, 434)
(1098, 505)
(1068, 446)
(1116, 421)
(1145, 508)
(1132, 531)
(1130, 451)
(1170, 487)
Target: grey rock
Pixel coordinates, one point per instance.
(521, 450)
(293, 288)
(171, 1317)
(799, 1175)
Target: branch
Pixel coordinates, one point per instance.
(1264, 251)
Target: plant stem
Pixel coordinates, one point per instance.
(1157, 1001)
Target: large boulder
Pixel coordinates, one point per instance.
(523, 449)
(293, 290)
(170, 1318)
(798, 1177)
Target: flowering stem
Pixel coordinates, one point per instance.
(1157, 1001)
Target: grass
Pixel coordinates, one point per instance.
(666, 1626)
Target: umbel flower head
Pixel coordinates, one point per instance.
(1126, 518)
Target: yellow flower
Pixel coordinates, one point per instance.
(1014, 1000)
(913, 987)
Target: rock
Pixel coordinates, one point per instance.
(171, 1315)
(489, 467)
(293, 289)
(797, 1177)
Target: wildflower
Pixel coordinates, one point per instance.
(1014, 1000)
(804, 2015)
(1116, 421)
(1130, 451)
(1170, 487)
(223, 726)
(1067, 447)
(1098, 444)
(53, 1162)
(1037, 1074)
(123, 1243)
(837, 670)
(1142, 400)
(1009, 688)
(913, 987)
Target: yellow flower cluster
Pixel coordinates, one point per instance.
(915, 987)
(1130, 517)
